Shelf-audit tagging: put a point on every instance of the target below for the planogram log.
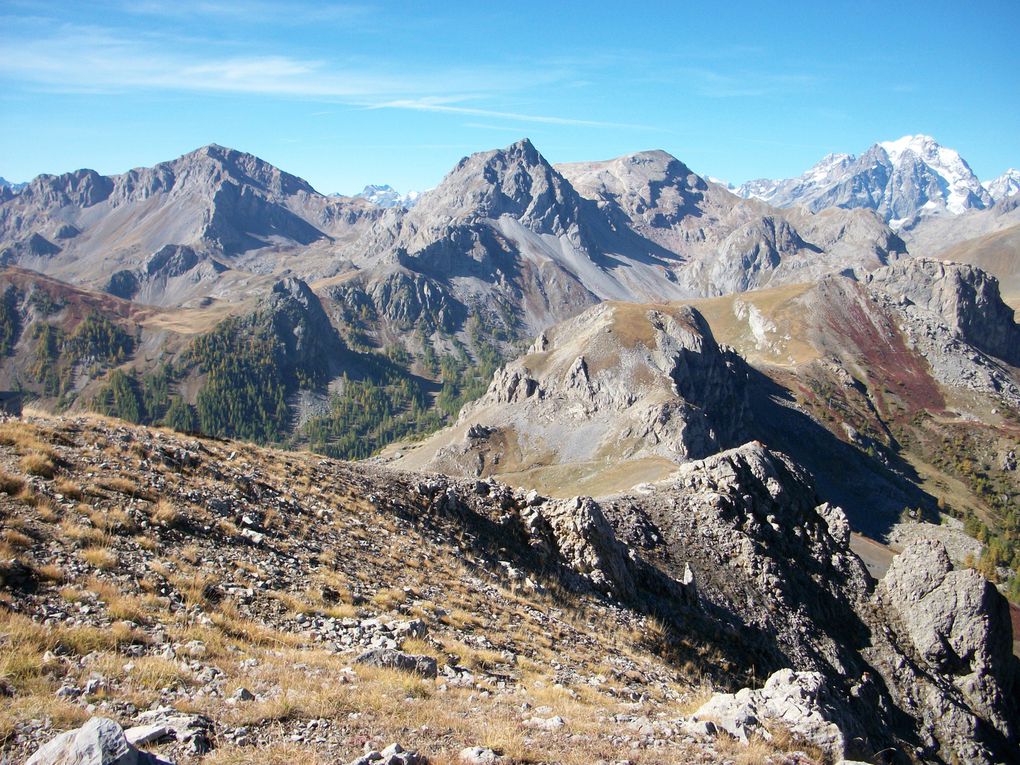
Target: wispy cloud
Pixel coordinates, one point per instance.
(79, 59)
(430, 105)
(91, 59)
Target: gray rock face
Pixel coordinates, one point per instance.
(965, 298)
(578, 532)
(424, 666)
(626, 381)
(100, 741)
(800, 701)
(959, 625)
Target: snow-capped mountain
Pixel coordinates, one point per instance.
(900, 180)
(387, 196)
(1005, 186)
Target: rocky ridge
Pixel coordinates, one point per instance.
(724, 552)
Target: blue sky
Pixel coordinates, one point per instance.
(396, 92)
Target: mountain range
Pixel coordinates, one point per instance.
(901, 180)
(655, 388)
(639, 227)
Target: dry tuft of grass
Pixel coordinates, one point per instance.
(36, 463)
(10, 484)
(120, 484)
(166, 515)
(68, 488)
(51, 572)
(80, 534)
(25, 437)
(113, 521)
(158, 673)
(16, 539)
(102, 558)
(390, 598)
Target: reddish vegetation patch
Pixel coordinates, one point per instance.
(81, 302)
(894, 371)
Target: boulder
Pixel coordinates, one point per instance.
(476, 755)
(800, 701)
(959, 625)
(387, 658)
(100, 741)
(394, 754)
(578, 530)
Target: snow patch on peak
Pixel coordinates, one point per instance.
(921, 145)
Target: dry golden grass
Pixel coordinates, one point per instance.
(61, 713)
(26, 437)
(46, 512)
(120, 484)
(36, 463)
(113, 521)
(102, 558)
(10, 484)
(228, 528)
(158, 673)
(231, 624)
(80, 534)
(51, 572)
(165, 514)
(68, 488)
(389, 598)
(461, 619)
(16, 539)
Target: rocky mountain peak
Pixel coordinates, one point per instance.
(384, 195)
(632, 381)
(652, 188)
(913, 175)
(1005, 186)
(81, 188)
(515, 181)
(221, 163)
